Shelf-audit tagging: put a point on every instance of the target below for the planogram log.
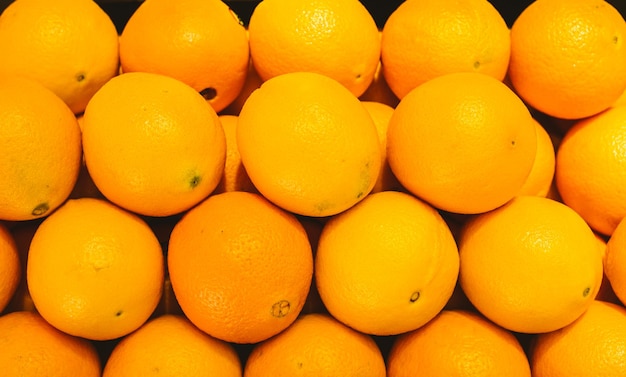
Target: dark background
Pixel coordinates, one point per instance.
(121, 10)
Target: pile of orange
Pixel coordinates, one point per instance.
(311, 190)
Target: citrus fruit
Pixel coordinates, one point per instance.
(530, 266)
(568, 56)
(95, 270)
(234, 177)
(590, 169)
(464, 142)
(458, 343)
(615, 261)
(41, 147)
(240, 266)
(338, 39)
(381, 114)
(541, 176)
(10, 267)
(593, 345)
(32, 347)
(69, 46)
(199, 42)
(387, 265)
(316, 345)
(152, 144)
(308, 144)
(170, 345)
(422, 40)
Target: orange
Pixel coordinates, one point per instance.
(41, 150)
(422, 40)
(199, 42)
(152, 144)
(22, 234)
(615, 261)
(387, 265)
(568, 56)
(32, 347)
(338, 39)
(381, 114)
(308, 144)
(606, 291)
(172, 346)
(69, 46)
(591, 169)
(10, 267)
(541, 176)
(234, 177)
(531, 266)
(458, 343)
(464, 142)
(94, 270)
(316, 345)
(594, 345)
(240, 267)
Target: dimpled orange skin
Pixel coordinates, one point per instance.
(316, 345)
(40, 142)
(55, 44)
(531, 266)
(95, 270)
(458, 343)
(240, 267)
(568, 57)
(10, 267)
(425, 39)
(594, 345)
(32, 347)
(591, 169)
(152, 144)
(464, 142)
(338, 39)
(308, 144)
(199, 42)
(170, 345)
(387, 265)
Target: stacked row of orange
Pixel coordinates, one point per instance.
(308, 193)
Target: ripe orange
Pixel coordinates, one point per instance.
(152, 144)
(530, 266)
(541, 176)
(95, 270)
(591, 169)
(240, 267)
(171, 346)
(458, 343)
(234, 177)
(464, 142)
(381, 114)
(338, 39)
(69, 46)
(308, 144)
(594, 345)
(615, 261)
(316, 345)
(422, 40)
(199, 42)
(10, 267)
(568, 56)
(32, 347)
(387, 265)
(41, 149)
